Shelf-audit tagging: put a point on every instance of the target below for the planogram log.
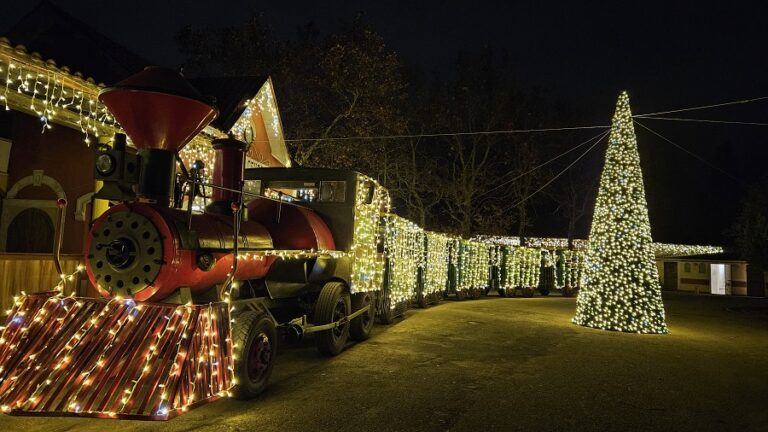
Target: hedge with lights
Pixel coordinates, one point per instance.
(620, 289)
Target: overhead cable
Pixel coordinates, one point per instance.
(682, 119)
(448, 134)
(561, 172)
(598, 137)
(702, 107)
(690, 153)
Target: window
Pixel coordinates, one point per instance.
(687, 267)
(333, 191)
(306, 191)
(252, 188)
(702, 268)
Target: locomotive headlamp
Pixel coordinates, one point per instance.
(198, 165)
(105, 164)
(118, 169)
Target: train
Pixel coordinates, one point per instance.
(194, 302)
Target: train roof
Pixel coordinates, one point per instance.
(301, 172)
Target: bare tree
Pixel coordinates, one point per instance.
(573, 196)
(413, 179)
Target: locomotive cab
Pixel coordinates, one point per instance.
(317, 210)
(331, 193)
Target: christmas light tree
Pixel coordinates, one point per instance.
(620, 287)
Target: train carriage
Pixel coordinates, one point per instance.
(520, 266)
(433, 269)
(404, 247)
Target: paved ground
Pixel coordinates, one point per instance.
(506, 364)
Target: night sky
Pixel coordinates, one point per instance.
(667, 55)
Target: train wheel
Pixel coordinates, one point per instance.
(544, 291)
(254, 338)
(528, 292)
(477, 293)
(461, 294)
(360, 327)
(332, 305)
(567, 292)
(502, 292)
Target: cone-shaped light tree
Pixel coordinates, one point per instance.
(620, 287)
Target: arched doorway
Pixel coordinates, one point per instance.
(17, 210)
(31, 231)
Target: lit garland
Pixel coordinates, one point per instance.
(539, 242)
(667, 249)
(404, 247)
(367, 261)
(54, 95)
(289, 254)
(661, 249)
(620, 289)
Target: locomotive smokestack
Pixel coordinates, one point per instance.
(161, 112)
(227, 172)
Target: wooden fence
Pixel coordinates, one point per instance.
(34, 273)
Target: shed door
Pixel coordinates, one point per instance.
(717, 279)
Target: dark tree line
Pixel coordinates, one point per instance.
(350, 84)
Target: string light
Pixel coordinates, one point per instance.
(472, 262)
(56, 96)
(435, 262)
(668, 249)
(660, 249)
(620, 290)
(371, 202)
(404, 246)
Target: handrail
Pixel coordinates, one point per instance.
(61, 205)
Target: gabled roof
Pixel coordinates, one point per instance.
(57, 35)
(231, 96)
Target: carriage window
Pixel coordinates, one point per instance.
(333, 191)
(291, 191)
(252, 188)
(306, 191)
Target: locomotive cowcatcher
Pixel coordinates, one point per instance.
(194, 299)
